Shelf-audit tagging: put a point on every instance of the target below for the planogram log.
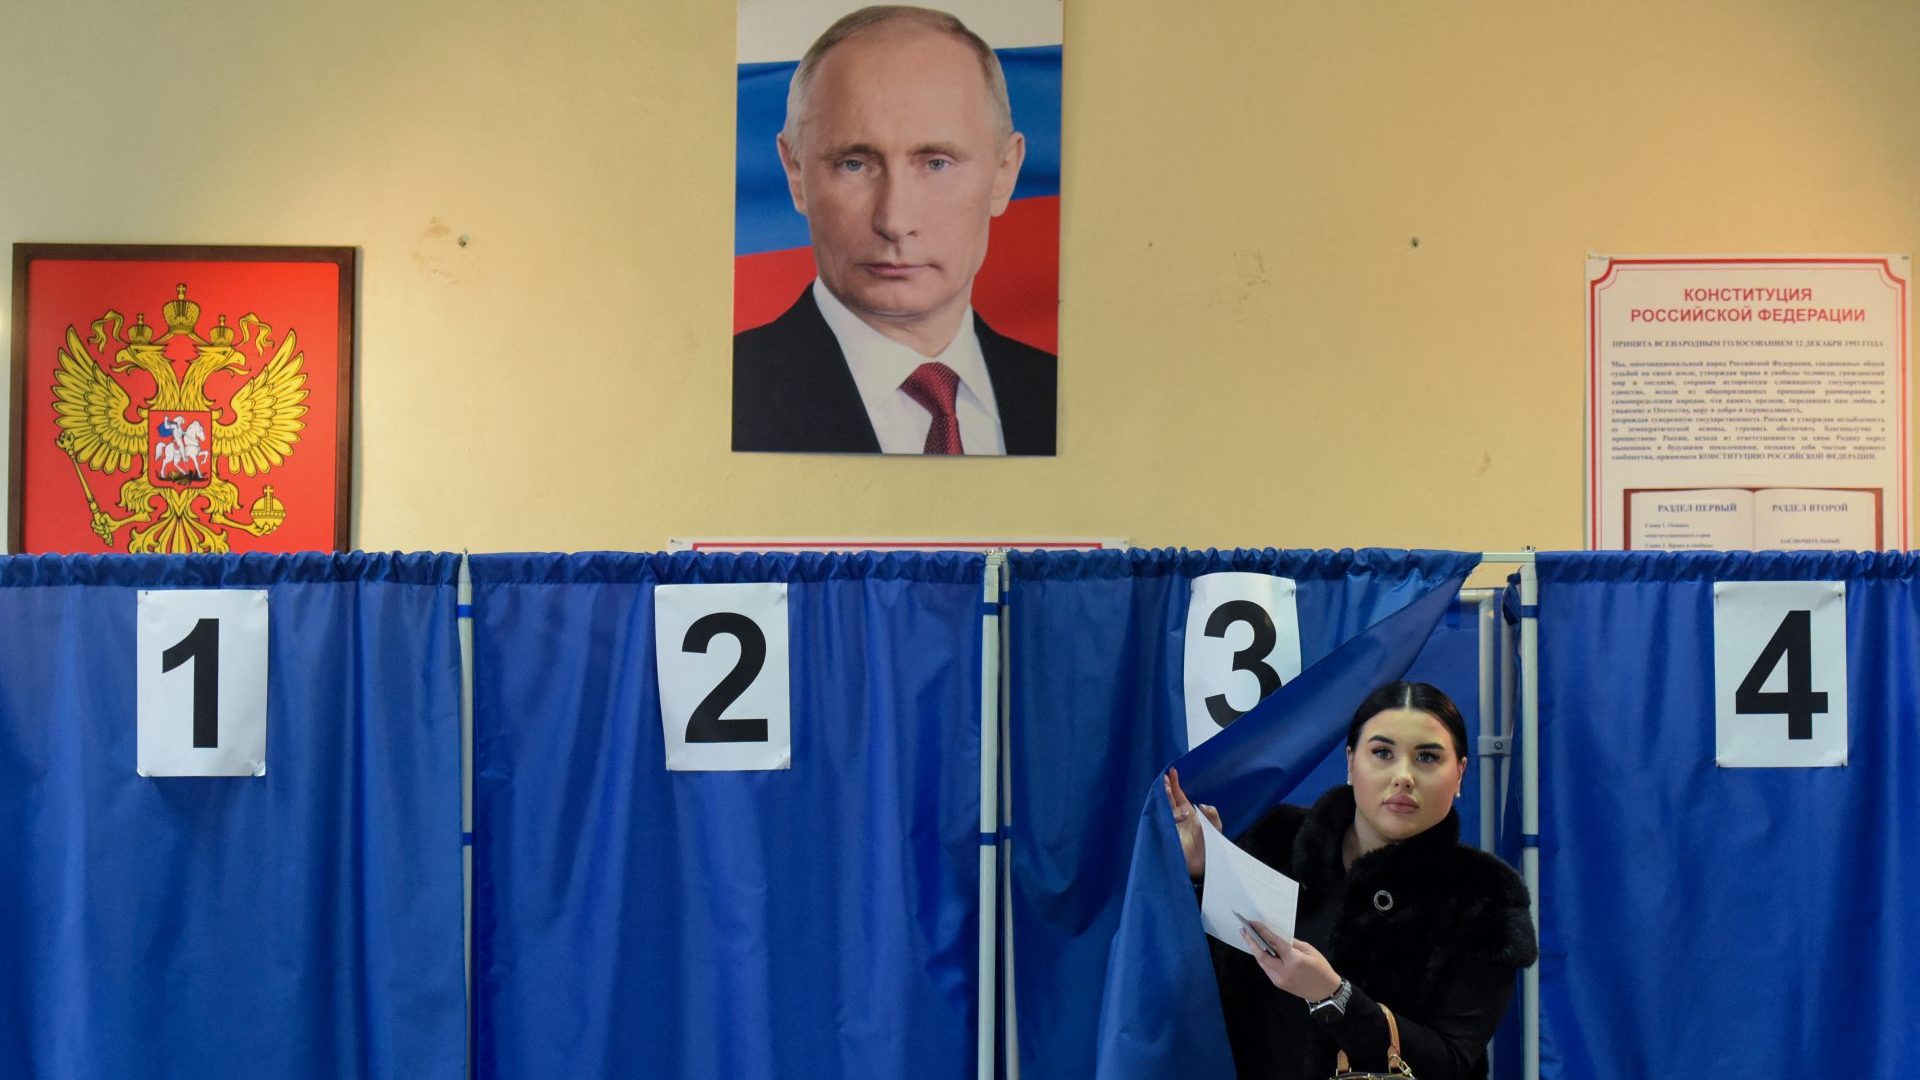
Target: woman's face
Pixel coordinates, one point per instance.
(1405, 773)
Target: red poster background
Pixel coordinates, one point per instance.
(301, 298)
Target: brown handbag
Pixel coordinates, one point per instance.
(1397, 1069)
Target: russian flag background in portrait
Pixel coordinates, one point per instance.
(1017, 290)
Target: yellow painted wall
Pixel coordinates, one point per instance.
(1253, 349)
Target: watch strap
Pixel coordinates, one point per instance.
(1337, 1001)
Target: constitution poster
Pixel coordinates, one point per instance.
(1747, 403)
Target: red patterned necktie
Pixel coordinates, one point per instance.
(933, 385)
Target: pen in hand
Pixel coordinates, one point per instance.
(1259, 940)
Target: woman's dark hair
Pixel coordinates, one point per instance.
(1424, 697)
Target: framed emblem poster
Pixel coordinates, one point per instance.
(181, 399)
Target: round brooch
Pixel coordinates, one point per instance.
(1383, 901)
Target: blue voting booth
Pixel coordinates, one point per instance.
(301, 923)
(1160, 1011)
(1698, 918)
(789, 869)
(816, 921)
(1095, 666)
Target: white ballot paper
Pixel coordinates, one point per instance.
(1238, 882)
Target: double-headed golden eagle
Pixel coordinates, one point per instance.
(102, 430)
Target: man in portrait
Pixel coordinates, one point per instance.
(899, 148)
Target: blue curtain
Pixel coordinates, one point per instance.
(1160, 1010)
(1096, 654)
(302, 924)
(1707, 921)
(818, 922)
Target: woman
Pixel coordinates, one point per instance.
(1393, 910)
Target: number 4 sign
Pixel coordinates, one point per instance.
(201, 682)
(721, 652)
(1780, 673)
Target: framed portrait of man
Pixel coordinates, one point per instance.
(896, 241)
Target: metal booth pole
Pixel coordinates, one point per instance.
(1529, 790)
(1009, 1016)
(1530, 801)
(463, 629)
(989, 897)
(1490, 747)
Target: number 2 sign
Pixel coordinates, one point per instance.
(1780, 673)
(721, 652)
(201, 682)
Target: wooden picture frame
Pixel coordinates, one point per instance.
(175, 399)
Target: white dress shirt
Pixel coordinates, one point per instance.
(880, 364)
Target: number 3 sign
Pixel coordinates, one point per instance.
(1243, 642)
(721, 651)
(1780, 673)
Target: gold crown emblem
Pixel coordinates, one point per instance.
(182, 314)
(221, 335)
(139, 333)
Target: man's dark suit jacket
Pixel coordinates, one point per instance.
(792, 389)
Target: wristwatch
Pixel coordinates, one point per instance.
(1337, 1001)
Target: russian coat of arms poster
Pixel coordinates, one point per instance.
(180, 400)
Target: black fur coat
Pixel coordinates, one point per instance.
(1433, 930)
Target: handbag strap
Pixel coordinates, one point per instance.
(1395, 1064)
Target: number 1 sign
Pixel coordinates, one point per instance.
(721, 651)
(201, 686)
(1780, 673)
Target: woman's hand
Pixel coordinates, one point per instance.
(1300, 970)
(1192, 845)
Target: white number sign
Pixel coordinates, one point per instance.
(721, 651)
(1242, 643)
(201, 682)
(1780, 673)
